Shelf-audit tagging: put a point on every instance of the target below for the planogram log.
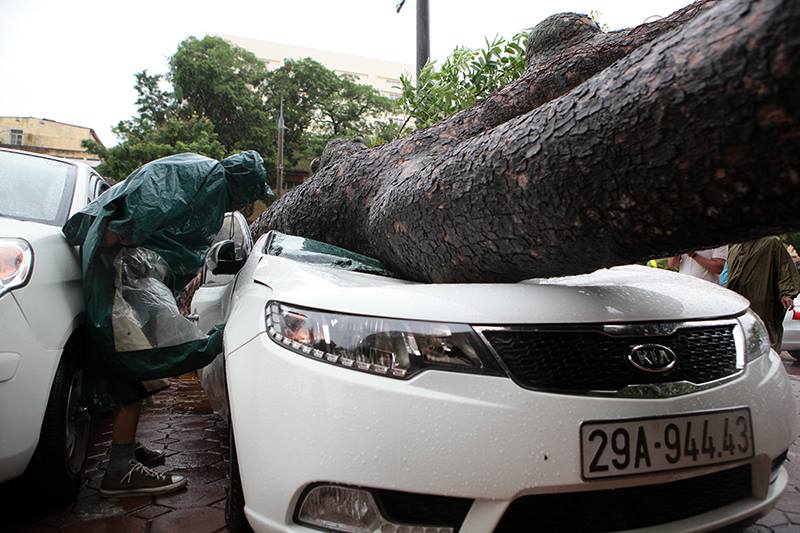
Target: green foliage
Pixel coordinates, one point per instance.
(171, 137)
(597, 18)
(320, 105)
(463, 79)
(224, 100)
(220, 82)
(161, 128)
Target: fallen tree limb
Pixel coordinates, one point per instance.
(690, 140)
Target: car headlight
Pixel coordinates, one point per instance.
(383, 346)
(756, 337)
(16, 263)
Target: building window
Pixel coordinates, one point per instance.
(15, 137)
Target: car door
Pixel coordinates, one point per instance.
(211, 302)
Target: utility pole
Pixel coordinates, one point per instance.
(279, 159)
(423, 35)
(423, 32)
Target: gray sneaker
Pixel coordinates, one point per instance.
(140, 480)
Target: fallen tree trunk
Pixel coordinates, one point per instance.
(613, 148)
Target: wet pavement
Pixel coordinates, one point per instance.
(181, 422)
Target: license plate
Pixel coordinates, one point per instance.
(626, 447)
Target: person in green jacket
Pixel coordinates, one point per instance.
(763, 272)
(141, 242)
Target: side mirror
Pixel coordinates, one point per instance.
(221, 258)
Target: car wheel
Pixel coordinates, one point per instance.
(235, 518)
(795, 354)
(60, 457)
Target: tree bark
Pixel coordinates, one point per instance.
(612, 148)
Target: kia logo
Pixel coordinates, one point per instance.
(652, 358)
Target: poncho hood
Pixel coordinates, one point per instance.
(246, 178)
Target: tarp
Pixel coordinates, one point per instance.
(142, 241)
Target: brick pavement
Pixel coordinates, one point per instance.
(181, 422)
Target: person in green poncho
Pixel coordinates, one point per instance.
(142, 241)
(763, 272)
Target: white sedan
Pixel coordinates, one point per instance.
(629, 398)
(44, 425)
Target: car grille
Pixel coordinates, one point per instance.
(628, 508)
(594, 361)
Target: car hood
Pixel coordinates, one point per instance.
(11, 227)
(621, 294)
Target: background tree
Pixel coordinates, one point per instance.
(320, 105)
(221, 82)
(160, 128)
(223, 100)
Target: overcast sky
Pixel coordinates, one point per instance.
(74, 60)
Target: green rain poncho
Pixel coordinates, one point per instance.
(142, 241)
(763, 272)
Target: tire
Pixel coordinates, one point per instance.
(235, 518)
(56, 469)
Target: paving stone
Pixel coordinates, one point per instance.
(194, 459)
(203, 475)
(97, 507)
(148, 435)
(39, 528)
(756, 528)
(192, 445)
(219, 505)
(152, 511)
(775, 517)
(190, 434)
(221, 482)
(203, 423)
(790, 501)
(127, 524)
(794, 518)
(789, 528)
(197, 520)
(200, 496)
(163, 441)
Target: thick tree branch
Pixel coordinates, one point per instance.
(691, 140)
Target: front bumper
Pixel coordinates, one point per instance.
(26, 374)
(298, 422)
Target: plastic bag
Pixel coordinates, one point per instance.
(145, 314)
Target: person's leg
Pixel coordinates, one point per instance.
(126, 419)
(123, 438)
(125, 475)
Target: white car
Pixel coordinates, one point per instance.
(791, 331)
(630, 398)
(44, 425)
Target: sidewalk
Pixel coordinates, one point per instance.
(196, 441)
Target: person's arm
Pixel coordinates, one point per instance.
(788, 278)
(713, 265)
(674, 262)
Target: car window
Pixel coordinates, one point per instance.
(35, 188)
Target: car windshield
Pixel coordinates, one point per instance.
(35, 188)
(320, 253)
